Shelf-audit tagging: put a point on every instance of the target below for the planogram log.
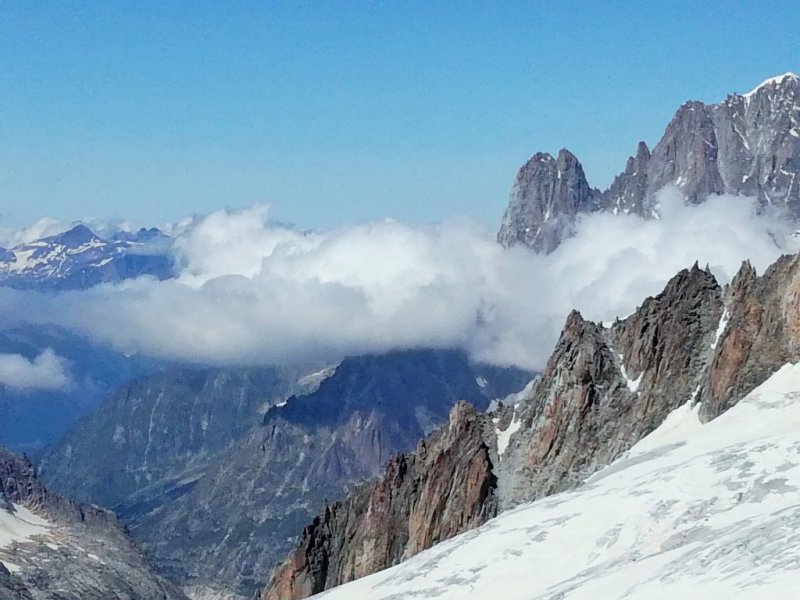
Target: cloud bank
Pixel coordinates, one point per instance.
(47, 371)
(253, 293)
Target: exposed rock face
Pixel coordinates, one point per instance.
(546, 197)
(603, 390)
(747, 144)
(30, 421)
(155, 436)
(760, 330)
(446, 486)
(629, 189)
(243, 515)
(74, 552)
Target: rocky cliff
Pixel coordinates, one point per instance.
(54, 548)
(444, 487)
(155, 436)
(760, 330)
(603, 389)
(547, 195)
(748, 144)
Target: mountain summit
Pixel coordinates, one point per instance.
(748, 144)
(78, 259)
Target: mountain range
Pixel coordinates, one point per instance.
(652, 454)
(173, 453)
(79, 259)
(748, 144)
(605, 388)
(692, 510)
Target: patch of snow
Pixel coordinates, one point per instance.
(694, 511)
(23, 260)
(772, 81)
(633, 384)
(103, 262)
(741, 136)
(516, 397)
(20, 525)
(12, 568)
(723, 323)
(314, 379)
(503, 437)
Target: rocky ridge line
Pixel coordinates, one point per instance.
(603, 389)
(748, 144)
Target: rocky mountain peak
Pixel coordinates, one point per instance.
(745, 145)
(546, 196)
(422, 498)
(779, 83)
(75, 237)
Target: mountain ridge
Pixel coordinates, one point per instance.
(78, 258)
(604, 389)
(747, 144)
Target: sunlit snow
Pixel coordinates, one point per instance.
(17, 526)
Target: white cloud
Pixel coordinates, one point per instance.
(47, 371)
(9, 238)
(255, 293)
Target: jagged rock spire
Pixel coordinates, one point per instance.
(748, 144)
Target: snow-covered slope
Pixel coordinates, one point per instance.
(18, 525)
(692, 511)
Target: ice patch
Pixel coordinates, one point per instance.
(633, 384)
(723, 323)
(503, 437)
(20, 525)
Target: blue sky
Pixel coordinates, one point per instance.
(342, 112)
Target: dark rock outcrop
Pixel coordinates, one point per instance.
(604, 389)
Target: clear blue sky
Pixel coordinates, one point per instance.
(339, 112)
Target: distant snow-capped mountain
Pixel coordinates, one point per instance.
(78, 259)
